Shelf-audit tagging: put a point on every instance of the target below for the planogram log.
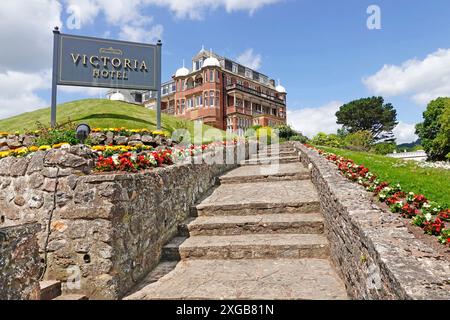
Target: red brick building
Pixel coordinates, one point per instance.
(222, 93)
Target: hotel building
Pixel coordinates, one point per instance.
(219, 92)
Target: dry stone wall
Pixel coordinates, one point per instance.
(100, 233)
(19, 263)
(376, 255)
(15, 141)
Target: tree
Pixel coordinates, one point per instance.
(434, 131)
(370, 114)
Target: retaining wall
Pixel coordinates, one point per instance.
(101, 233)
(372, 249)
(19, 263)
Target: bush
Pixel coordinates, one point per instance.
(285, 131)
(359, 141)
(329, 140)
(384, 148)
(61, 134)
(264, 133)
(434, 131)
(300, 138)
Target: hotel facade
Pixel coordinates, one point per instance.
(218, 92)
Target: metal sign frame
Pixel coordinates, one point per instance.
(58, 67)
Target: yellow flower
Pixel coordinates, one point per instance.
(4, 154)
(45, 147)
(33, 149)
(98, 148)
(97, 130)
(4, 134)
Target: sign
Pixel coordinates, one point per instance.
(102, 63)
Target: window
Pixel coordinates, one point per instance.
(248, 73)
(217, 98)
(217, 76)
(235, 68)
(239, 82)
(189, 103)
(198, 101)
(198, 65)
(211, 98)
(206, 99)
(211, 75)
(228, 81)
(182, 105)
(173, 87)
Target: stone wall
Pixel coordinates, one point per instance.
(19, 263)
(372, 249)
(15, 141)
(102, 233)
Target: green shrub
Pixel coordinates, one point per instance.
(434, 131)
(359, 141)
(285, 131)
(329, 140)
(384, 148)
(60, 134)
(300, 138)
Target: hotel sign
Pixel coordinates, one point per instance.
(92, 62)
(102, 63)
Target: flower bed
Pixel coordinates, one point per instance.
(430, 216)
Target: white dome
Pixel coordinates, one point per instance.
(182, 72)
(117, 97)
(211, 62)
(280, 89)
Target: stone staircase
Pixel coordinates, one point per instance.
(259, 235)
(51, 290)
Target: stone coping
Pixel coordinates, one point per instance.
(375, 253)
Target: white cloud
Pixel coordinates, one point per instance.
(249, 59)
(405, 133)
(195, 9)
(18, 91)
(311, 121)
(422, 80)
(140, 34)
(26, 34)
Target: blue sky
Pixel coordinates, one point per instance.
(321, 50)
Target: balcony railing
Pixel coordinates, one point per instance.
(253, 92)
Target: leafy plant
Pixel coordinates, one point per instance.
(65, 133)
(359, 141)
(434, 131)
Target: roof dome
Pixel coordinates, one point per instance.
(280, 88)
(182, 72)
(211, 62)
(117, 97)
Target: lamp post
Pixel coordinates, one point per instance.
(83, 131)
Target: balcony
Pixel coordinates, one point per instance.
(254, 93)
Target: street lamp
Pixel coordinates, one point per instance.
(83, 131)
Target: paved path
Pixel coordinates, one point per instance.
(260, 235)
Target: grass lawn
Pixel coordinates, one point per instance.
(99, 113)
(433, 183)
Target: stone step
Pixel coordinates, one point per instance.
(255, 246)
(287, 171)
(170, 252)
(50, 289)
(265, 153)
(247, 279)
(269, 160)
(256, 224)
(72, 297)
(297, 196)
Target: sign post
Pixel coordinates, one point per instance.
(103, 63)
(158, 85)
(55, 75)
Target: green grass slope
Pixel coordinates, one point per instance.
(431, 182)
(98, 113)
